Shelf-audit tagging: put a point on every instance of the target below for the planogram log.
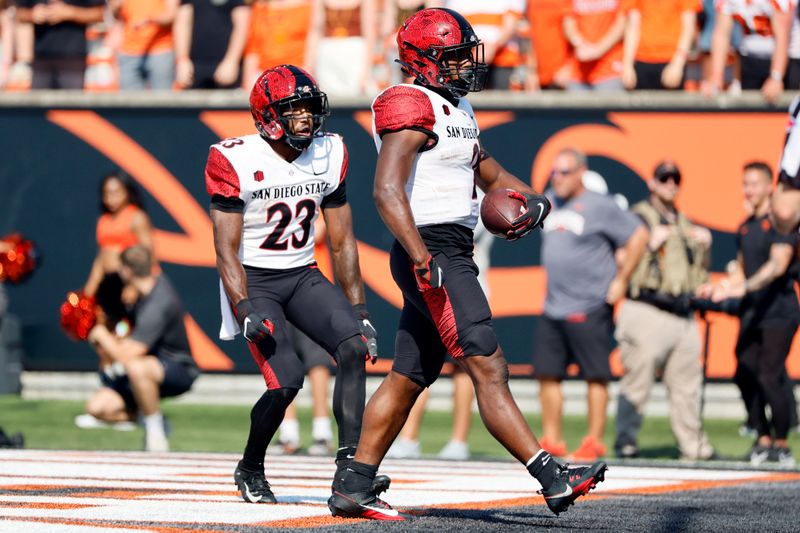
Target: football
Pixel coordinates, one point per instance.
(499, 210)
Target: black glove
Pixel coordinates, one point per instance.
(430, 276)
(255, 327)
(367, 331)
(538, 207)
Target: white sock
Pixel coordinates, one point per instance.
(321, 428)
(289, 431)
(532, 459)
(154, 424)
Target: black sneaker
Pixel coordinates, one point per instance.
(253, 486)
(782, 456)
(380, 484)
(362, 505)
(572, 482)
(758, 454)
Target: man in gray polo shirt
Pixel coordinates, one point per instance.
(583, 238)
(155, 360)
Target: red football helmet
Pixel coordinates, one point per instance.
(279, 91)
(439, 48)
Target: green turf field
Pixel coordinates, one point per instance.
(212, 428)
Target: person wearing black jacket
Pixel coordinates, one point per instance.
(763, 277)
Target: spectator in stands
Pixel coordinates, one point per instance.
(318, 366)
(495, 24)
(698, 67)
(656, 329)
(20, 73)
(581, 236)
(548, 61)
(278, 36)
(763, 277)
(763, 53)
(123, 223)
(658, 39)
(342, 44)
(155, 359)
(595, 28)
(146, 57)
(6, 41)
(210, 37)
(792, 79)
(59, 58)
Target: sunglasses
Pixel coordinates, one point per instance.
(674, 176)
(563, 171)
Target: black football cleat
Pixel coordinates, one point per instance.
(253, 486)
(362, 505)
(572, 482)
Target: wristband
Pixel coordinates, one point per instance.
(776, 75)
(361, 311)
(243, 308)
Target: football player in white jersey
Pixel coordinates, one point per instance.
(786, 198)
(430, 162)
(266, 192)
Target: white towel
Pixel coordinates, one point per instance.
(230, 326)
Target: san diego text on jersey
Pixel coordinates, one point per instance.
(290, 191)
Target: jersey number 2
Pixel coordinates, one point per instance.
(273, 240)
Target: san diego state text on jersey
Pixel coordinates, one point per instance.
(278, 193)
(281, 198)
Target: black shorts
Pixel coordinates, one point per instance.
(178, 379)
(648, 76)
(584, 339)
(310, 302)
(454, 319)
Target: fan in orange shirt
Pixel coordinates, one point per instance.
(595, 28)
(658, 37)
(548, 60)
(278, 36)
(146, 57)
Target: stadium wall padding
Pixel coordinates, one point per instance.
(54, 158)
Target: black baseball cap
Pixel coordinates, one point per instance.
(667, 169)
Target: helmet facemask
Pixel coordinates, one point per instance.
(462, 68)
(288, 110)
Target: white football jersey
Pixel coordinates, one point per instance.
(281, 198)
(441, 187)
(755, 18)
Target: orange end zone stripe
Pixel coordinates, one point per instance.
(116, 525)
(45, 505)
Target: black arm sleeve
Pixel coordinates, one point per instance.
(227, 204)
(337, 198)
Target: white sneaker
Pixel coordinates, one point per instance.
(455, 451)
(320, 448)
(404, 449)
(156, 442)
(87, 421)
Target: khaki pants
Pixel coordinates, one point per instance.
(651, 339)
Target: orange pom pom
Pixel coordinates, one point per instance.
(19, 260)
(78, 315)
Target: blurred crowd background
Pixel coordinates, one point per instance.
(612, 45)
